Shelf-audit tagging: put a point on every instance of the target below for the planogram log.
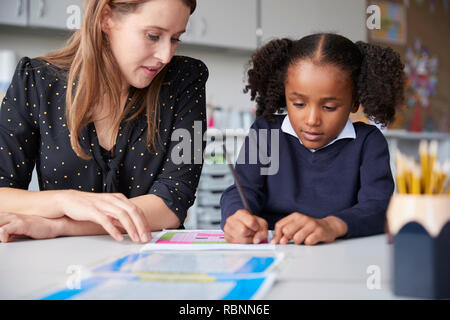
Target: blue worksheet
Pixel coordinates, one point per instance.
(176, 276)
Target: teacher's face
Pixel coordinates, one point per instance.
(144, 41)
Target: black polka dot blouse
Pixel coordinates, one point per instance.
(33, 131)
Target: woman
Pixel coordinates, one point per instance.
(96, 117)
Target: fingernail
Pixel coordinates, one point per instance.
(135, 237)
(119, 237)
(146, 236)
(256, 240)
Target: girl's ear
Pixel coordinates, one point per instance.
(106, 19)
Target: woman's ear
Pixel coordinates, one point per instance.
(106, 19)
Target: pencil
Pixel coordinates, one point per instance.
(409, 174)
(431, 164)
(237, 183)
(415, 184)
(439, 176)
(423, 153)
(445, 174)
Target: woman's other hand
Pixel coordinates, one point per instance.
(17, 225)
(110, 210)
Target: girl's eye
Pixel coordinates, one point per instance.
(329, 108)
(299, 105)
(176, 40)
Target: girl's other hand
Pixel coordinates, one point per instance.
(17, 225)
(301, 228)
(243, 227)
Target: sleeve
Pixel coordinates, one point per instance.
(177, 182)
(19, 134)
(251, 174)
(368, 216)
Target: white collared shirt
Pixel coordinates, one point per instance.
(347, 132)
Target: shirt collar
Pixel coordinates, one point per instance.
(347, 132)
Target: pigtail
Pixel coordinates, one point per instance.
(380, 84)
(266, 77)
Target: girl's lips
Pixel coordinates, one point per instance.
(312, 136)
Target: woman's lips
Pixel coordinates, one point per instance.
(311, 136)
(150, 71)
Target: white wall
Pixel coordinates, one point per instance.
(226, 75)
(30, 42)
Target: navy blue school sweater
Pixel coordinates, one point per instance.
(350, 178)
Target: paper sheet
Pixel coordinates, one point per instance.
(99, 288)
(199, 240)
(212, 275)
(184, 262)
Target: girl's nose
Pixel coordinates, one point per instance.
(313, 117)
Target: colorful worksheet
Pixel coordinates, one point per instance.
(135, 288)
(211, 263)
(200, 240)
(169, 275)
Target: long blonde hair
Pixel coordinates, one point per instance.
(92, 73)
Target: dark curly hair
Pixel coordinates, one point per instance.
(376, 73)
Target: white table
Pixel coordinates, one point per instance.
(327, 271)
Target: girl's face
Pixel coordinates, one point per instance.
(144, 41)
(319, 101)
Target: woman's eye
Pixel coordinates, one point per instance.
(175, 40)
(152, 37)
(329, 108)
(299, 105)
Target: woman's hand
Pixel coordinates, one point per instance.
(110, 210)
(17, 225)
(243, 227)
(303, 229)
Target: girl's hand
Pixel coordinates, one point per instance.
(243, 227)
(17, 225)
(110, 210)
(303, 229)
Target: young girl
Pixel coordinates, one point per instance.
(97, 117)
(334, 178)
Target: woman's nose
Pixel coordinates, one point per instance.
(164, 51)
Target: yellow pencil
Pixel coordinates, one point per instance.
(431, 164)
(400, 174)
(440, 178)
(423, 153)
(445, 174)
(409, 167)
(415, 185)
